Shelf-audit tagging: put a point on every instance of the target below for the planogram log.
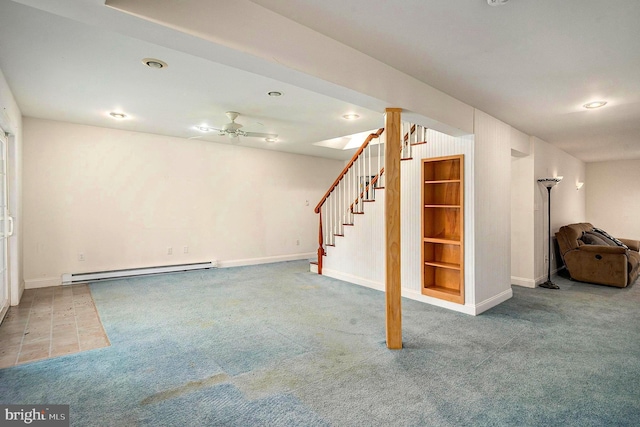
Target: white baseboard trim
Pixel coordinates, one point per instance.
(521, 281)
(543, 278)
(265, 260)
(408, 293)
(353, 279)
(417, 296)
(493, 301)
(42, 283)
(4, 311)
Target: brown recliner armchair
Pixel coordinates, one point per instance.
(604, 262)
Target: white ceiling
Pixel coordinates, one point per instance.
(530, 63)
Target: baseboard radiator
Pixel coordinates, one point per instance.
(71, 278)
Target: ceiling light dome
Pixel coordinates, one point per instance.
(119, 116)
(595, 104)
(154, 63)
(350, 116)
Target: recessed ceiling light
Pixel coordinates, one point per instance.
(496, 2)
(595, 104)
(119, 116)
(350, 116)
(274, 93)
(204, 128)
(271, 139)
(154, 63)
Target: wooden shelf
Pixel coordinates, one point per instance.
(447, 240)
(444, 294)
(443, 265)
(443, 227)
(442, 181)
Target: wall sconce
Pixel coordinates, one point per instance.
(579, 185)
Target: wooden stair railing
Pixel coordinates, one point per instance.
(340, 189)
(338, 211)
(372, 186)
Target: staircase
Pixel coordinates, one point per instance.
(360, 183)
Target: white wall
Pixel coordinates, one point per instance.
(613, 197)
(522, 211)
(568, 205)
(11, 122)
(123, 198)
(492, 164)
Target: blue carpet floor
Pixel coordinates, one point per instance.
(275, 345)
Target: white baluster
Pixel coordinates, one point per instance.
(379, 183)
(370, 195)
(330, 222)
(360, 164)
(337, 214)
(403, 146)
(339, 200)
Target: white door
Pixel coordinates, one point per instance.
(6, 228)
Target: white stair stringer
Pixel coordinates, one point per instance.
(358, 257)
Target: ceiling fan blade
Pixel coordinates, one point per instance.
(260, 135)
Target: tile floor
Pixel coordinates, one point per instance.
(50, 322)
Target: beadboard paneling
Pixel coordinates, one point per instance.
(492, 160)
(358, 257)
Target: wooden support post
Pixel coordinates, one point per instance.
(392, 151)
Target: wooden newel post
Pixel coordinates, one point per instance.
(320, 246)
(392, 152)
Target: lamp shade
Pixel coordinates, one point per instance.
(550, 182)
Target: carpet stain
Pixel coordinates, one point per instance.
(184, 389)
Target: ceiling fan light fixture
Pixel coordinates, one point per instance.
(594, 104)
(154, 63)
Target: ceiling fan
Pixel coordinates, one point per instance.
(232, 129)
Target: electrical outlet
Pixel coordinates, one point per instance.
(80, 257)
(169, 251)
(298, 242)
(185, 250)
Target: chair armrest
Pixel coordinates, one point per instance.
(632, 244)
(601, 249)
(606, 265)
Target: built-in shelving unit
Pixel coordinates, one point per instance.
(443, 228)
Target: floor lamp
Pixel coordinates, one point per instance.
(549, 183)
